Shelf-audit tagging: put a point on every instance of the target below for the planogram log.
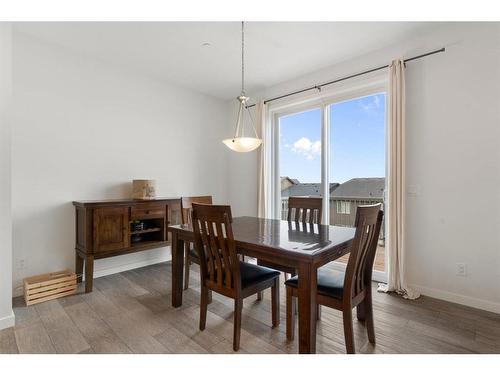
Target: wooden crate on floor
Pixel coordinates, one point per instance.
(48, 286)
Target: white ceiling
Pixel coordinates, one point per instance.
(173, 51)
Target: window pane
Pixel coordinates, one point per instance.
(300, 156)
(357, 160)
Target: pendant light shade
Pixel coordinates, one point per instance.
(240, 142)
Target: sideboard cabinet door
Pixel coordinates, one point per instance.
(111, 228)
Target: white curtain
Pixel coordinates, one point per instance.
(396, 205)
(264, 162)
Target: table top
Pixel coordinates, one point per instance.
(289, 238)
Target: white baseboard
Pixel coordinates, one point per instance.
(459, 298)
(436, 293)
(7, 321)
(130, 266)
(164, 256)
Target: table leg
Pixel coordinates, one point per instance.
(307, 308)
(177, 269)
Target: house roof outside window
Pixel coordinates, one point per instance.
(371, 187)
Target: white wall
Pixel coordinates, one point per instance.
(84, 130)
(453, 159)
(6, 315)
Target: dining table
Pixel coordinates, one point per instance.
(302, 246)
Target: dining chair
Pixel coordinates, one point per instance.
(221, 269)
(345, 290)
(305, 210)
(190, 255)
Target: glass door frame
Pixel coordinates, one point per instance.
(323, 100)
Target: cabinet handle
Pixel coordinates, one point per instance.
(148, 212)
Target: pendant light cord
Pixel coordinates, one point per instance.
(242, 57)
(243, 77)
(240, 126)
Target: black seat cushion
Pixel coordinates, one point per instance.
(330, 283)
(252, 274)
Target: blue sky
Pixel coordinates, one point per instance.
(357, 141)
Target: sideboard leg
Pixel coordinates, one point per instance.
(78, 267)
(89, 273)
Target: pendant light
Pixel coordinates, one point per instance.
(240, 142)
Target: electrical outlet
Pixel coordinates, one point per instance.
(461, 269)
(413, 190)
(21, 263)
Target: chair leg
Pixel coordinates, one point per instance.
(361, 312)
(290, 314)
(370, 327)
(260, 295)
(203, 307)
(238, 307)
(187, 265)
(209, 296)
(348, 330)
(318, 312)
(295, 311)
(275, 302)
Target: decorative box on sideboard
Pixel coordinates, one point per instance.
(110, 228)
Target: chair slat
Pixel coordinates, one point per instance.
(225, 254)
(214, 248)
(305, 209)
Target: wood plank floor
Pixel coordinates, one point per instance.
(130, 312)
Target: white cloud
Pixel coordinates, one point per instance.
(304, 146)
(373, 104)
(316, 148)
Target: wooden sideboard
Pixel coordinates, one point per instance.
(108, 228)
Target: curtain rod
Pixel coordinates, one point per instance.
(318, 87)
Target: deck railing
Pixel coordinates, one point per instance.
(342, 210)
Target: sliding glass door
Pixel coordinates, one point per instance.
(357, 161)
(334, 148)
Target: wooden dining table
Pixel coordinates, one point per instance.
(305, 247)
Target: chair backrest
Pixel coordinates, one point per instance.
(358, 274)
(187, 206)
(305, 209)
(214, 243)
